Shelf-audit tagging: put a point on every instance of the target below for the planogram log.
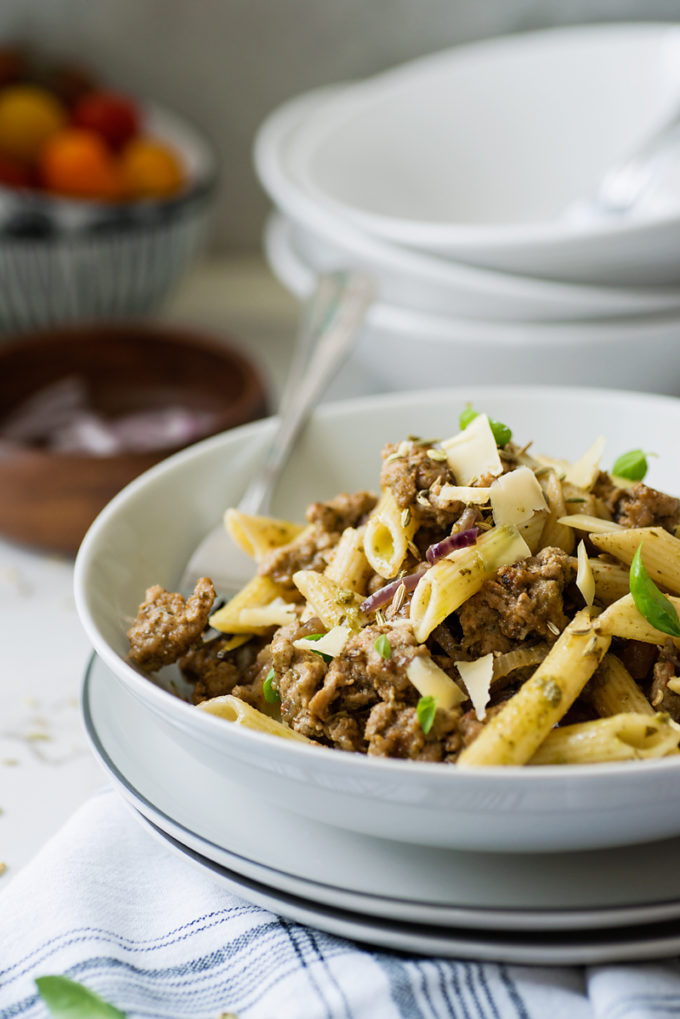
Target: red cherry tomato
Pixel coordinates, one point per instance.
(114, 117)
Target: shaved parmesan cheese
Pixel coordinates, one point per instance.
(585, 581)
(477, 677)
(332, 643)
(473, 452)
(583, 472)
(460, 493)
(431, 681)
(516, 496)
(277, 613)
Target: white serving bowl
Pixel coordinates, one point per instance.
(476, 152)
(417, 280)
(402, 349)
(148, 531)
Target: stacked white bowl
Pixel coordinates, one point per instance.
(466, 183)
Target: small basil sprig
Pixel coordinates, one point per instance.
(383, 646)
(649, 601)
(271, 695)
(67, 999)
(501, 433)
(426, 709)
(632, 465)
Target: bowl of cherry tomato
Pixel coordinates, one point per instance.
(104, 199)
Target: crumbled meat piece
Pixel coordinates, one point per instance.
(393, 730)
(639, 505)
(638, 657)
(310, 550)
(667, 667)
(345, 510)
(214, 671)
(167, 626)
(525, 600)
(413, 471)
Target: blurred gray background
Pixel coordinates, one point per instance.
(227, 63)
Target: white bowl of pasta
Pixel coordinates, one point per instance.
(539, 714)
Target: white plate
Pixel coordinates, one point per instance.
(342, 870)
(413, 279)
(596, 947)
(148, 531)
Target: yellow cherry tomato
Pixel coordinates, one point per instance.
(151, 169)
(29, 116)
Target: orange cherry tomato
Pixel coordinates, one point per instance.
(79, 164)
(29, 115)
(151, 169)
(113, 116)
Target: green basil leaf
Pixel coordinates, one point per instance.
(501, 433)
(383, 646)
(632, 465)
(270, 694)
(650, 601)
(67, 999)
(426, 709)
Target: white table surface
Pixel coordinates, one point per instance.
(46, 768)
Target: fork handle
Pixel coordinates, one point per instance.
(338, 307)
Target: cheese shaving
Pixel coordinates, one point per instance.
(583, 472)
(585, 581)
(431, 681)
(516, 496)
(468, 494)
(332, 643)
(477, 677)
(473, 452)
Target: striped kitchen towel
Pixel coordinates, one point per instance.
(109, 906)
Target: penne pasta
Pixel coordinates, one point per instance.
(257, 535)
(258, 593)
(555, 533)
(333, 604)
(622, 619)
(612, 689)
(621, 737)
(388, 533)
(660, 552)
(233, 709)
(514, 734)
(349, 566)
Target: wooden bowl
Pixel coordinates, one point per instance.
(48, 499)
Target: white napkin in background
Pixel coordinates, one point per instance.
(107, 904)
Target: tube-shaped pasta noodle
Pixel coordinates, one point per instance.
(233, 709)
(257, 593)
(330, 602)
(257, 535)
(555, 533)
(349, 566)
(514, 734)
(451, 581)
(388, 533)
(623, 619)
(586, 522)
(660, 552)
(611, 581)
(613, 690)
(622, 737)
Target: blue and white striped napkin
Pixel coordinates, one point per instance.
(106, 904)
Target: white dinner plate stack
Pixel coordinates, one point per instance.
(465, 182)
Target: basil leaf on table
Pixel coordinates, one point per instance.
(67, 999)
(650, 601)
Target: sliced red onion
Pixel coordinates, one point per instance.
(463, 539)
(386, 594)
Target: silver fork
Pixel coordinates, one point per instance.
(330, 322)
